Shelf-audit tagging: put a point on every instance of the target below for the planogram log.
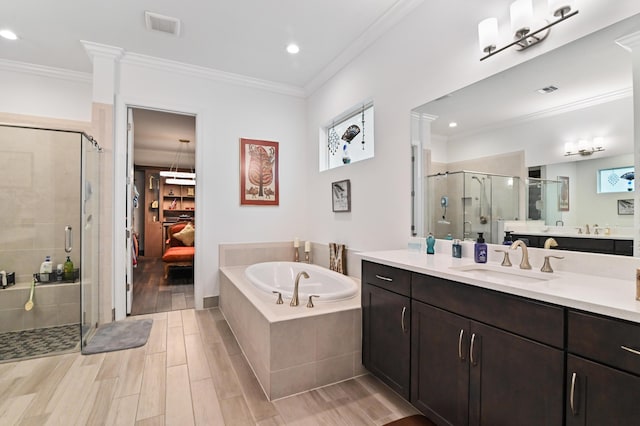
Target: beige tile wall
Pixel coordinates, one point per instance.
(291, 356)
(250, 253)
(296, 355)
(55, 304)
(39, 196)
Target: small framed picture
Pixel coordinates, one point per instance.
(625, 207)
(341, 196)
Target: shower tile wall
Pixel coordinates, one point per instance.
(39, 196)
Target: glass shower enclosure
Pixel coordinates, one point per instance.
(50, 205)
(461, 204)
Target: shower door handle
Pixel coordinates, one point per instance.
(68, 238)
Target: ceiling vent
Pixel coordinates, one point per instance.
(165, 24)
(547, 89)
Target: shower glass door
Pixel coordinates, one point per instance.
(90, 237)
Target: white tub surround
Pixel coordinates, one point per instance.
(598, 283)
(292, 349)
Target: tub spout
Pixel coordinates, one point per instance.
(294, 298)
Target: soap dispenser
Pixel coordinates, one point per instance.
(480, 249)
(68, 269)
(508, 238)
(431, 243)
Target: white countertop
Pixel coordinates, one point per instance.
(593, 293)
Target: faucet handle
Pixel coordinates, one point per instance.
(505, 259)
(310, 302)
(579, 230)
(279, 301)
(546, 266)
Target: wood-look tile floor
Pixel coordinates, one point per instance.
(191, 371)
(153, 293)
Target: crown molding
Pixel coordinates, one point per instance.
(210, 74)
(95, 50)
(45, 71)
(380, 26)
(630, 42)
(550, 112)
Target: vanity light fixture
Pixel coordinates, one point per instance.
(179, 178)
(453, 124)
(584, 148)
(293, 48)
(522, 21)
(8, 34)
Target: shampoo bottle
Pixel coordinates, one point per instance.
(431, 243)
(46, 268)
(480, 249)
(456, 249)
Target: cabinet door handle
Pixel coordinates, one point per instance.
(460, 354)
(471, 347)
(628, 349)
(380, 277)
(572, 394)
(404, 311)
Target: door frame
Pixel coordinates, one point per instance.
(119, 255)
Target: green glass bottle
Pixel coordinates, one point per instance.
(68, 269)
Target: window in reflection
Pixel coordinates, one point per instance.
(619, 179)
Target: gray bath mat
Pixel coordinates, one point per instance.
(119, 335)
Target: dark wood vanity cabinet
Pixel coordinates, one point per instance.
(582, 244)
(464, 372)
(603, 370)
(386, 325)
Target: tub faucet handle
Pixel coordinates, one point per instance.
(279, 301)
(310, 302)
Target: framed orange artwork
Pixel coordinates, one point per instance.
(259, 173)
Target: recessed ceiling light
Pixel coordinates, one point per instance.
(8, 34)
(293, 48)
(453, 124)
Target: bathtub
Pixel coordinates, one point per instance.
(280, 276)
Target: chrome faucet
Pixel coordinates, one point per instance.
(294, 298)
(524, 263)
(586, 229)
(559, 222)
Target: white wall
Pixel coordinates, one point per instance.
(543, 139)
(45, 92)
(226, 113)
(418, 60)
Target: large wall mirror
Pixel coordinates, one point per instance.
(520, 124)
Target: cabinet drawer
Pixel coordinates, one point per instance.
(535, 320)
(387, 277)
(604, 339)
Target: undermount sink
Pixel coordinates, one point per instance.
(504, 273)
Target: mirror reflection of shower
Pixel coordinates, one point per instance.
(482, 217)
(455, 205)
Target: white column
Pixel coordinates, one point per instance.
(631, 43)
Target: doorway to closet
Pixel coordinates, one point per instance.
(161, 146)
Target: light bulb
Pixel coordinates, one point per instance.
(521, 17)
(488, 34)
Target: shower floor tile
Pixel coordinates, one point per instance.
(38, 342)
